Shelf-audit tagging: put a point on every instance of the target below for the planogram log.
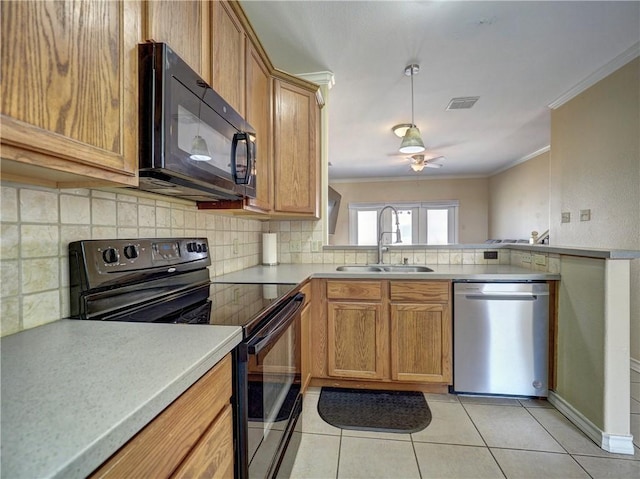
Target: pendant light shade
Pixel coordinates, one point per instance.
(412, 141)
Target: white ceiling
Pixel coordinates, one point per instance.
(518, 57)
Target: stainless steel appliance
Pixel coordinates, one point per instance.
(167, 281)
(193, 144)
(500, 338)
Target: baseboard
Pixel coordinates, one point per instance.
(635, 365)
(614, 443)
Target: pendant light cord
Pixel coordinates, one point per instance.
(412, 118)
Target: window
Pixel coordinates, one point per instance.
(420, 223)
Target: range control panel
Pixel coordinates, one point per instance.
(98, 258)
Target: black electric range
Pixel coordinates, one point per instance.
(166, 280)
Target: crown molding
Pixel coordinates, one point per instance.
(625, 57)
(319, 78)
(521, 160)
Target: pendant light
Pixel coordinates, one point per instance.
(412, 141)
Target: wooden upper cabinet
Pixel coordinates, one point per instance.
(258, 95)
(296, 149)
(228, 55)
(184, 26)
(69, 92)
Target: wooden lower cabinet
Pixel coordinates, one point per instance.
(420, 342)
(192, 437)
(357, 338)
(386, 332)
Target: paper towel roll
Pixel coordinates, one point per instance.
(269, 249)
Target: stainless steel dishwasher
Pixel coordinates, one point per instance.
(501, 338)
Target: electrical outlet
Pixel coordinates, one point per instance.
(526, 258)
(566, 217)
(235, 245)
(540, 259)
(490, 255)
(585, 215)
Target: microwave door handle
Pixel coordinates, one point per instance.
(237, 138)
(288, 313)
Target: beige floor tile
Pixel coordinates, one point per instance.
(311, 420)
(534, 464)
(635, 406)
(635, 391)
(511, 427)
(635, 376)
(448, 461)
(376, 458)
(391, 436)
(601, 467)
(450, 424)
(570, 437)
(317, 457)
(635, 429)
(531, 403)
(495, 401)
(441, 397)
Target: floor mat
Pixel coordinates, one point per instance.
(369, 410)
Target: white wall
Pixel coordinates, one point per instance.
(595, 164)
(473, 195)
(519, 200)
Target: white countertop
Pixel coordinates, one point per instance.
(297, 273)
(73, 392)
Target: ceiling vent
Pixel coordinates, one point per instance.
(462, 103)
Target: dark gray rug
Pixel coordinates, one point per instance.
(369, 410)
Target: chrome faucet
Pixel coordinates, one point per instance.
(382, 233)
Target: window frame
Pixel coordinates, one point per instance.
(419, 220)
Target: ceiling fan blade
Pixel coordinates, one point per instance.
(435, 158)
(433, 165)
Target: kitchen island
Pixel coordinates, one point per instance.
(74, 392)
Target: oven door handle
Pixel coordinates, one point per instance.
(287, 314)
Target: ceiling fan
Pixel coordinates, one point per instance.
(418, 162)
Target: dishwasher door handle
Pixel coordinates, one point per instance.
(502, 296)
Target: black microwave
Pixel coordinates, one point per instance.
(193, 144)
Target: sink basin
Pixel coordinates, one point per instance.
(383, 268)
(407, 268)
(360, 269)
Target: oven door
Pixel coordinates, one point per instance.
(274, 401)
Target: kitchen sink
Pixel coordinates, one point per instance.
(360, 269)
(383, 268)
(405, 268)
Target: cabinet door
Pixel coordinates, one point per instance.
(212, 457)
(227, 55)
(258, 97)
(69, 92)
(184, 26)
(357, 340)
(421, 343)
(296, 155)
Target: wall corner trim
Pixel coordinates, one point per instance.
(625, 57)
(614, 443)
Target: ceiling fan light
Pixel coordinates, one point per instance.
(401, 129)
(412, 141)
(417, 166)
(199, 149)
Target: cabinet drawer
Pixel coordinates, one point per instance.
(371, 290)
(437, 291)
(158, 449)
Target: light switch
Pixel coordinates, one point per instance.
(566, 217)
(585, 215)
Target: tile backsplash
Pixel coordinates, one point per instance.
(39, 223)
